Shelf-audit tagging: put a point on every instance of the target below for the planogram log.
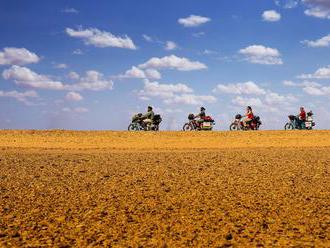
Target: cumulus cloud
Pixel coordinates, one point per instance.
(173, 62)
(317, 90)
(23, 76)
(258, 54)
(73, 96)
(20, 96)
(156, 89)
(173, 94)
(170, 45)
(318, 8)
(247, 101)
(302, 84)
(193, 21)
(322, 42)
(98, 38)
(271, 16)
(322, 73)
(93, 80)
(240, 89)
(136, 72)
(191, 99)
(17, 56)
(273, 98)
(73, 75)
(270, 102)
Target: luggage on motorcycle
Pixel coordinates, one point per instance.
(136, 117)
(208, 119)
(292, 117)
(157, 119)
(191, 117)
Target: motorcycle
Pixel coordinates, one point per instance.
(295, 123)
(206, 124)
(237, 125)
(138, 123)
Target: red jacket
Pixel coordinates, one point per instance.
(302, 115)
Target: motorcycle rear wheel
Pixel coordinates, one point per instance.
(187, 127)
(289, 126)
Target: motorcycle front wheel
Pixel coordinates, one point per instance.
(288, 126)
(133, 127)
(233, 127)
(187, 127)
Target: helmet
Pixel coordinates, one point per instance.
(202, 109)
(149, 108)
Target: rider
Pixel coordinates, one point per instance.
(201, 115)
(301, 117)
(249, 115)
(149, 116)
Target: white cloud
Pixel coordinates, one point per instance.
(73, 75)
(191, 99)
(173, 94)
(78, 52)
(258, 54)
(287, 4)
(317, 90)
(303, 84)
(23, 76)
(209, 52)
(193, 21)
(98, 38)
(147, 38)
(173, 62)
(322, 73)
(61, 66)
(170, 45)
(270, 102)
(273, 98)
(19, 96)
(136, 72)
(75, 110)
(198, 34)
(70, 11)
(247, 88)
(73, 96)
(17, 56)
(271, 16)
(322, 42)
(153, 74)
(247, 101)
(318, 8)
(93, 80)
(156, 89)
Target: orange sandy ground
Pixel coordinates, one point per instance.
(166, 189)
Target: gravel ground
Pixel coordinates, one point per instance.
(64, 189)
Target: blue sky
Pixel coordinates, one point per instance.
(84, 65)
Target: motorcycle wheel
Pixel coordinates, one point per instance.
(288, 126)
(233, 127)
(187, 127)
(133, 127)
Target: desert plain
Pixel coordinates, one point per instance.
(164, 189)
